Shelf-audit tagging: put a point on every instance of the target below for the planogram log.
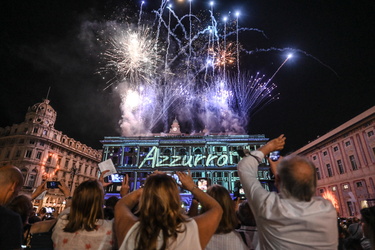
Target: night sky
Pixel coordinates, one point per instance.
(44, 44)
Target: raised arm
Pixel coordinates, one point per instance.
(248, 173)
(208, 221)
(124, 218)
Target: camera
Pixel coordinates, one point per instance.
(53, 184)
(274, 156)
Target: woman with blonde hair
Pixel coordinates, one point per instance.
(225, 236)
(161, 223)
(84, 226)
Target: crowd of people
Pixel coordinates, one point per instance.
(151, 217)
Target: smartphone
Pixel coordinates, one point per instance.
(116, 178)
(175, 177)
(53, 184)
(202, 184)
(241, 194)
(274, 156)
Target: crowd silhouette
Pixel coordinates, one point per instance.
(151, 217)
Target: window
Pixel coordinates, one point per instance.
(314, 157)
(49, 159)
(335, 148)
(333, 189)
(35, 130)
(347, 143)
(353, 162)
(45, 132)
(7, 154)
(28, 153)
(345, 186)
(18, 153)
(325, 153)
(321, 191)
(38, 155)
(370, 133)
(21, 141)
(32, 142)
(55, 136)
(340, 167)
(318, 174)
(329, 170)
(41, 143)
(358, 184)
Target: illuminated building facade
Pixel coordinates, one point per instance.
(345, 163)
(43, 153)
(214, 157)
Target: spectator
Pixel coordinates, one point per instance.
(248, 229)
(11, 182)
(84, 227)
(368, 224)
(110, 204)
(293, 219)
(33, 217)
(225, 236)
(43, 215)
(22, 205)
(161, 223)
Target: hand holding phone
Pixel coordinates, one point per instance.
(53, 184)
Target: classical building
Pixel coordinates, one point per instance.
(345, 163)
(43, 153)
(213, 157)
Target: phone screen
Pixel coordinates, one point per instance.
(274, 156)
(116, 178)
(53, 184)
(202, 184)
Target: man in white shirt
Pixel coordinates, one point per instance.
(293, 219)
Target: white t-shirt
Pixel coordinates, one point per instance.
(230, 240)
(188, 239)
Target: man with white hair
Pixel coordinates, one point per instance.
(11, 182)
(294, 218)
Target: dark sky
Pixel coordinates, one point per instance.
(42, 46)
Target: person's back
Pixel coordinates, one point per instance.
(231, 240)
(293, 219)
(100, 238)
(84, 226)
(290, 224)
(225, 236)
(161, 223)
(11, 182)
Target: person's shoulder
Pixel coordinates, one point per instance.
(8, 214)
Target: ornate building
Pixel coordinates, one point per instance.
(43, 153)
(213, 157)
(345, 163)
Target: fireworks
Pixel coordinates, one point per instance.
(182, 67)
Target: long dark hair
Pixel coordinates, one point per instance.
(87, 207)
(159, 211)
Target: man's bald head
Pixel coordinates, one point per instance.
(11, 181)
(297, 177)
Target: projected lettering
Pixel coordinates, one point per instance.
(154, 159)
